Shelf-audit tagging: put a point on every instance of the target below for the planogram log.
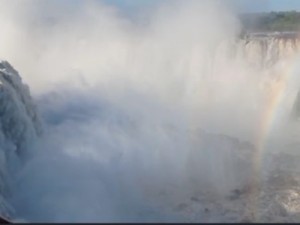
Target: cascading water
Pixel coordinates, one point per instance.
(20, 126)
(218, 190)
(173, 120)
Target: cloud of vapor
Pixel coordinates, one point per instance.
(126, 107)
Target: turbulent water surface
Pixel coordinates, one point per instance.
(167, 116)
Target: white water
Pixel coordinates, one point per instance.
(143, 122)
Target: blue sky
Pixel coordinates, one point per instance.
(269, 5)
(284, 4)
(245, 5)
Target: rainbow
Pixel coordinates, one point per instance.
(269, 116)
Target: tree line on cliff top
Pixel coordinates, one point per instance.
(271, 21)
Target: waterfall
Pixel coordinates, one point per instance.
(19, 127)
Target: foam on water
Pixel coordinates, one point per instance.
(174, 120)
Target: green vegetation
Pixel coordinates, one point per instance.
(273, 21)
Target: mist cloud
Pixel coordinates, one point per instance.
(122, 103)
